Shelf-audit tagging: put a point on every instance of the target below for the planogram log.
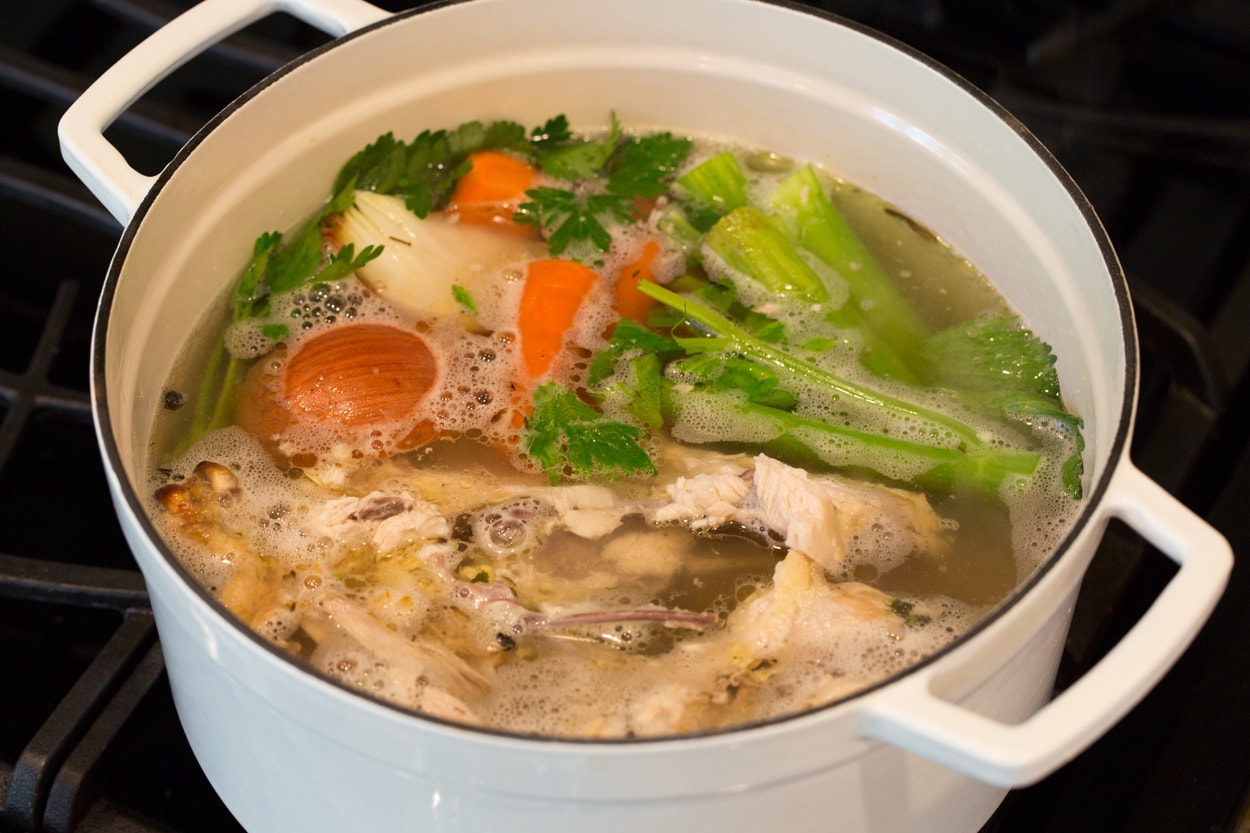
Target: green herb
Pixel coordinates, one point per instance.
(563, 157)
(715, 372)
(553, 132)
(464, 299)
(644, 165)
(997, 367)
(572, 217)
(565, 436)
(907, 612)
(277, 268)
(636, 168)
(630, 339)
(633, 357)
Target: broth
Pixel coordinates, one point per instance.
(489, 476)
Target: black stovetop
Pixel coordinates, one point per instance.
(1145, 102)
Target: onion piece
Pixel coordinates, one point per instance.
(421, 259)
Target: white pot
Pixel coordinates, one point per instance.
(934, 749)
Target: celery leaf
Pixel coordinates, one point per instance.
(997, 367)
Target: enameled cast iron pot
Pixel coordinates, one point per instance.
(934, 749)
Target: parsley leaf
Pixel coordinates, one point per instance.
(552, 133)
(464, 298)
(565, 436)
(719, 372)
(278, 268)
(643, 166)
(639, 393)
(629, 339)
(573, 217)
(345, 261)
(636, 168)
(251, 291)
(633, 356)
(570, 159)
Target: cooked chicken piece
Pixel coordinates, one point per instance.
(424, 658)
(825, 518)
(890, 523)
(388, 520)
(585, 510)
(794, 504)
(800, 621)
(705, 501)
(802, 609)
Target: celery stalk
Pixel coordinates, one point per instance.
(893, 331)
(956, 446)
(796, 437)
(717, 186)
(749, 243)
(729, 337)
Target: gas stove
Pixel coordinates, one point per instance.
(1143, 101)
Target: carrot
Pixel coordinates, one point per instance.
(488, 195)
(550, 300)
(629, 302)
(553, 293)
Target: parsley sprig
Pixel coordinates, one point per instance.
(278, 267)
(615, 173)
(565, 436)
(572, 217)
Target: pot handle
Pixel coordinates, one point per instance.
(911, 716)
(95, 160)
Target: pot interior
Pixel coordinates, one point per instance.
(798, 84)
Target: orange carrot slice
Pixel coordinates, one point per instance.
(553, 293)
(490, 192)
(629, 302)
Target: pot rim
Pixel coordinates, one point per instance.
(1095, 492)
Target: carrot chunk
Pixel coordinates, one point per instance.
(490, 192)
(629, 302)
(553, 294)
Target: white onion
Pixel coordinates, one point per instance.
(422, 259)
